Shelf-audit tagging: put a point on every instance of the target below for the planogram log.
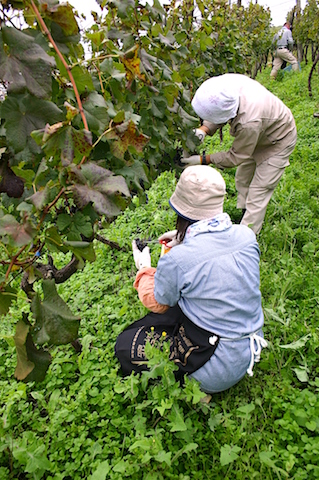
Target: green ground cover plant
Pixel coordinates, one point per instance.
(84, 421)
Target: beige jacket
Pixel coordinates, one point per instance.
(264, 126)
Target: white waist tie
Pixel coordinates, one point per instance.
(260, 343)
(254, 339)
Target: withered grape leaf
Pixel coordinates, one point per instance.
(15, 233)
(95, 184)
(126, 135)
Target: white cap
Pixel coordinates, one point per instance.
(217, 99)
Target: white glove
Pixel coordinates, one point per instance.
(141, 259)
(193, 160)
(200, 134)
(169, 238)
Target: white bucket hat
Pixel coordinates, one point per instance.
(199, 193)
(217, 99)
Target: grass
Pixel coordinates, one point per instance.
(85, 422)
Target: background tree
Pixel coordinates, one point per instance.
(254, 22)
(306, 27)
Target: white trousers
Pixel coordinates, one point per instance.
(255, 185)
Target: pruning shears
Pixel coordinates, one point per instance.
(141, 244)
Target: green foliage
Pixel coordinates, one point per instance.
(83, 420)
(255, 22)
(80, 135)
(305, 28)
(24, 64)
(306, 25)
(55, 324)
(77, 417)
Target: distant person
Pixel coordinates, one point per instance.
(283, 43)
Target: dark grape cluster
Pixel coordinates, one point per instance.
(10, 184)
(141, 244)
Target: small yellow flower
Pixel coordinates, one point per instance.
(152, 329)
(164, 334)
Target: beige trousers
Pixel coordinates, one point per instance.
(282, 55)
(255, 185)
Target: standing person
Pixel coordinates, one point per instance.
(283, 43)
(204, 294)
(264, 134)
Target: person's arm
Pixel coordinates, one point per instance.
(144, 284)
(207, 128)
(210, 127)
(290, 40)
(167, 288)
(242, 149)
(144, 281)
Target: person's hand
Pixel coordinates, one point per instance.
(169, 238)
(193, 160)
(141, 259)
(200, 134)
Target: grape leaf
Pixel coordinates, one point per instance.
(125, 136)
(55, 323)
(62, 15)
(24, 65)
(95, 184)
(6, 297)
(131, 61)
(32, 363)
(134, 174)
(24, 365)
(25, 113)
(64, 140)
(15, 233)
(96, 112)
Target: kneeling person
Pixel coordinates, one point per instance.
(204, 292)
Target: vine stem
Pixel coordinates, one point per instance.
(47, 208)
(13, 260)
(310, 75)
(101, 136)
(46, 31)
(100, 77)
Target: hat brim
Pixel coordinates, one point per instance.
(190, 214)
(180, 214)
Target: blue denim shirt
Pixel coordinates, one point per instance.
(214, 277)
